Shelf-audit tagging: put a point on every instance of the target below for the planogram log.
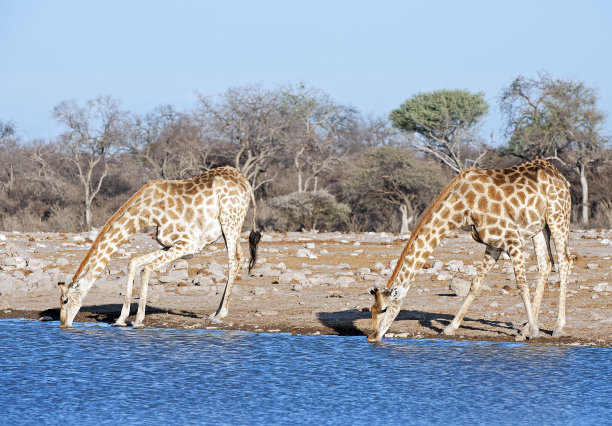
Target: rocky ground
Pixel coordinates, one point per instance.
(314, 283)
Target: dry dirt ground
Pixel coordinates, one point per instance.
(325, 292)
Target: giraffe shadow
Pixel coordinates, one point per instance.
(109, 313)
(345, 322)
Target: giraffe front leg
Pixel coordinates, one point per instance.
(544, 267)
(490, 257)
(127, 297)
(142, 303)
(518, 261)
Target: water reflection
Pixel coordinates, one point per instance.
(104, 374)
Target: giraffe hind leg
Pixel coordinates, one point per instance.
(565, 263)
(542, 249)
(231, 225)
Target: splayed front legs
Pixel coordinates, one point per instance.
(152, 261)
(490, 257)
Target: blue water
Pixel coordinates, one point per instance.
(96, 374)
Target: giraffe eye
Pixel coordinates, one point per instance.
(382, 311)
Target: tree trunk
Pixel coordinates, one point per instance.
(585, 194)
(404, 229)
(88, 215)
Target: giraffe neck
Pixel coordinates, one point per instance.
(445, 215)
(124, 223)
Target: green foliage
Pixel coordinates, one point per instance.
(440, 113)
(552, 118)
(390, 180)
(305, 210)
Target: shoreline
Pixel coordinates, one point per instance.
(316, 283)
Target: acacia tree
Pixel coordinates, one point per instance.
(249, 119)
(558, 120)
(442, 124)
(392, 177)
(92, 136)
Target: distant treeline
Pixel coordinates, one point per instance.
(314, 164)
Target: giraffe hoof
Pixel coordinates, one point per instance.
(558, 333)
(534, 334)
(448, 330)
(137, 325)
(213, 320)
(118, 324)
(520, 337)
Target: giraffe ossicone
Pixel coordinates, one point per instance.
(188, 215)
(503, 208)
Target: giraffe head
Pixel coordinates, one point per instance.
(71, 299)
(384, 310)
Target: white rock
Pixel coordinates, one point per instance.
(180, 264)
(174, 275)
(304, 253)
(592, 266)
(203, 281)
(602, 287)
(437, 265)
(470, 270)
(265, 271)
(444, 275)
(460, 287)
(311, 246)
(62, 261)
(259, 291)
(35, 263)
(13, 251)
(216, 270)
(344, 281)
(12, 263)
(2, 237)
(363, 271)
(455, 266)
(266, 312)
(379, 267)
(289, 276)
(297, 287)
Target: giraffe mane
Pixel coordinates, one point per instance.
(107, 225)
(424, 218)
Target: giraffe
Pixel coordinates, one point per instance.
(189, 215)
(503, 208)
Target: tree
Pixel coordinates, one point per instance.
(249, 119)
(313, 133)
(306, 210)
(393, 178)
(8, 144)
(92, 137)
(557, 120)
(443, 123)
(174, 144)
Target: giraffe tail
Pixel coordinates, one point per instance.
(547, 238)
(254, 236)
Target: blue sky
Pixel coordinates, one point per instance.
(370, 55)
